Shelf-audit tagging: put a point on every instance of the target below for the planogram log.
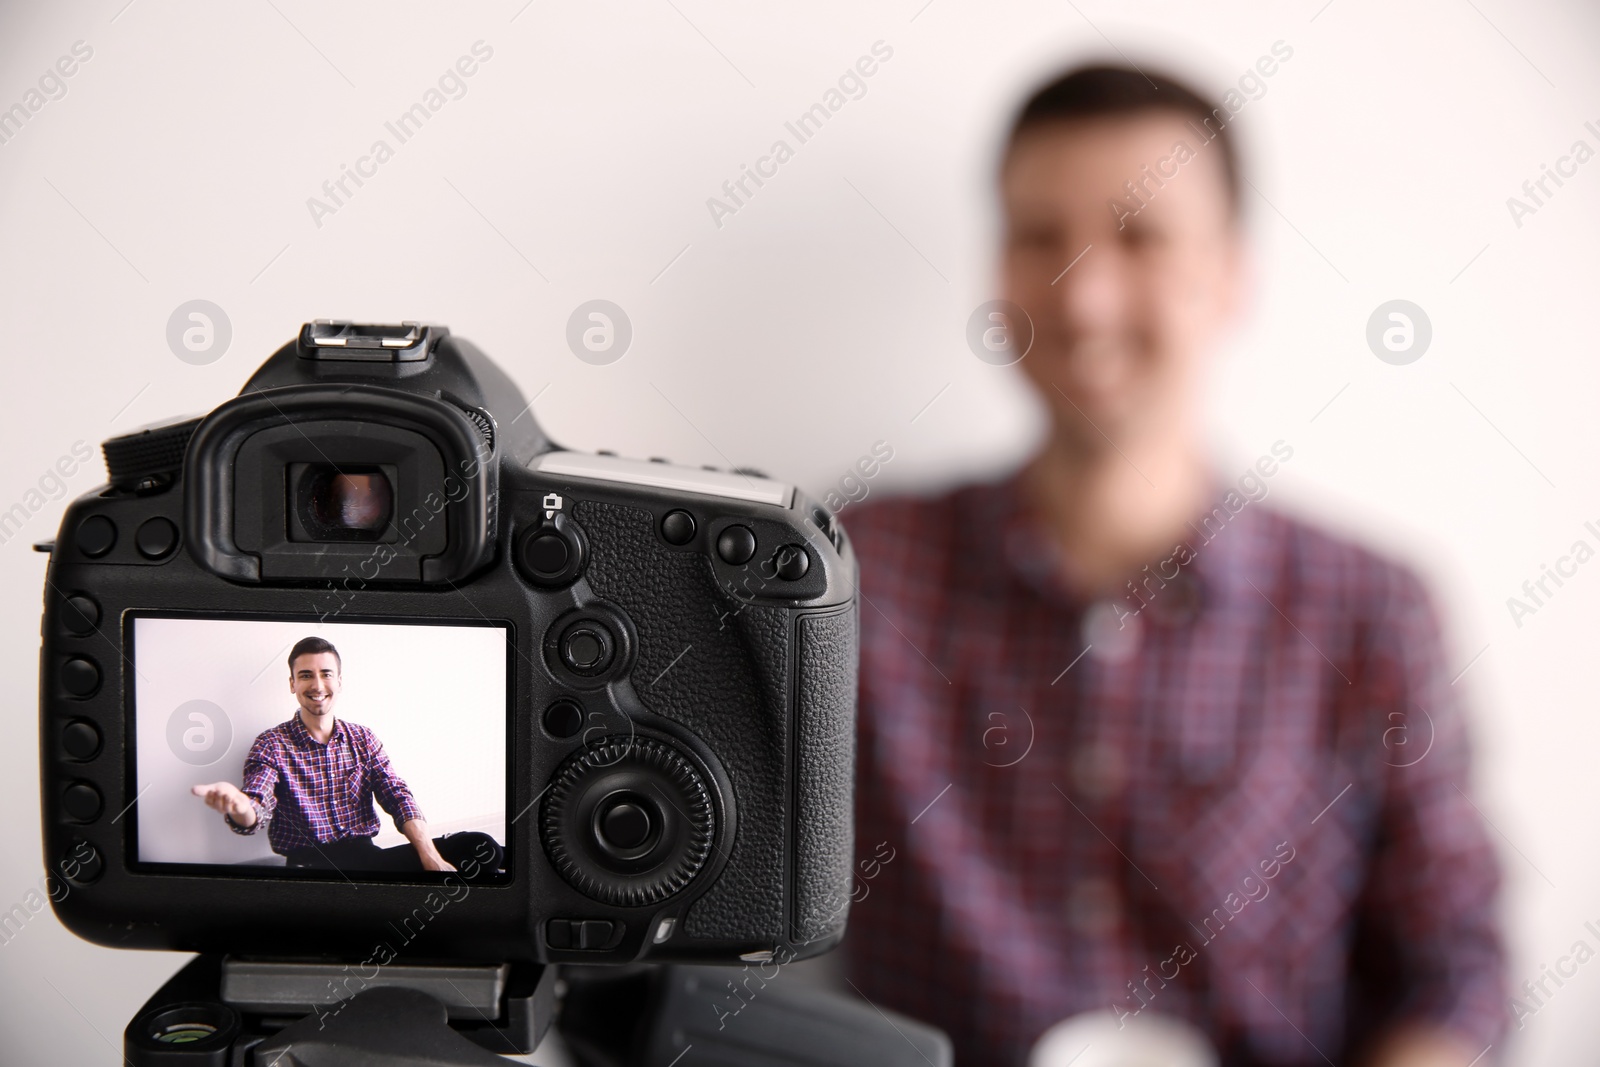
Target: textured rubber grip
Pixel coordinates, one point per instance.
(825, 774)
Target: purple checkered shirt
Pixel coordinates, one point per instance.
(310, 793)
(1247, 805)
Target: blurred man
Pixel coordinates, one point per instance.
(1138, 742)
(313, 779)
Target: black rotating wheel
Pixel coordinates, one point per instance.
(628, 821)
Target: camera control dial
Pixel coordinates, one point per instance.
(628, 821)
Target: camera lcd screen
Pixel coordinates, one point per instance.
(321, 749)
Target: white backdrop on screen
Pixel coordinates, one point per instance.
(179, 162)
(434, 695)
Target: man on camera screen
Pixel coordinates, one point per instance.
(313, 779)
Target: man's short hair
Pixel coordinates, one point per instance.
(1108, 91)
(310, 646)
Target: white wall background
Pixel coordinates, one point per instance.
(829, 311)
(434, 695)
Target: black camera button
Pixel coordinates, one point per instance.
(587, 648)
(791, 562)
(156, 538)
(96, 535)
(82, 863)
(80, 739)
(80, 615)
(736, 545)
(547, 553)
(584, 649)
(624, 826)
(563, 719)
(80, 676)
(678, 527)
(81, 801)
(552, 554)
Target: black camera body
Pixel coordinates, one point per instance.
(679, 663)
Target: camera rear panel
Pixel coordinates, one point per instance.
(677, 727)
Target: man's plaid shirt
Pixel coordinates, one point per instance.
(309, 793)
(1248, 804)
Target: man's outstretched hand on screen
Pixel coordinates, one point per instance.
(228, 799)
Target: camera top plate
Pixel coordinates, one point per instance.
(652, 474)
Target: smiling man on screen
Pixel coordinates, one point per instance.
(313, 781)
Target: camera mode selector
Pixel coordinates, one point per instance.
(148, 458)
(553, 553)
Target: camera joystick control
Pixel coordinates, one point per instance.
(587, 648)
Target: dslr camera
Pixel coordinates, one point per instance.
(598, 709)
